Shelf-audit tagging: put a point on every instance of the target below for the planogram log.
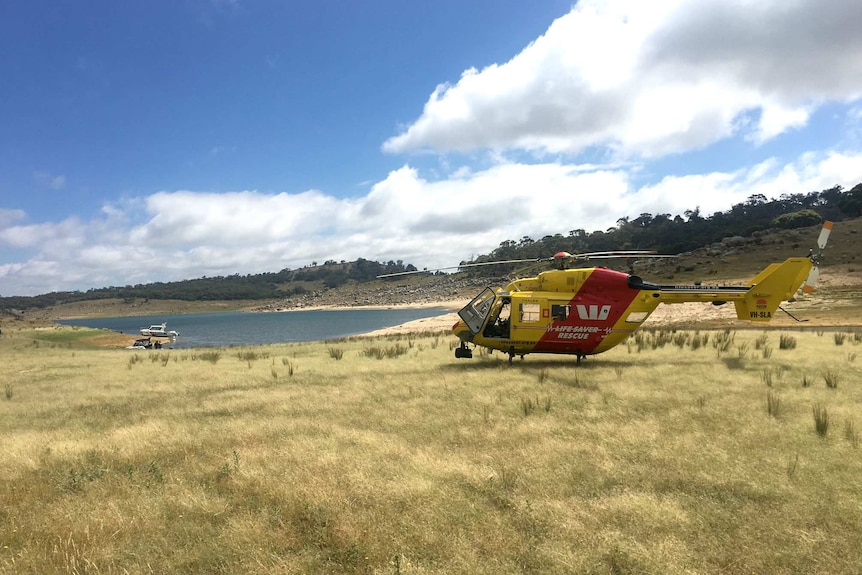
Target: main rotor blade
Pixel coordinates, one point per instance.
(458, 267)
(612, 254)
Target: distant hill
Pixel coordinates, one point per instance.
(725, 244)
(264, 286)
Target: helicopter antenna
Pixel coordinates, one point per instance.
(791, 315)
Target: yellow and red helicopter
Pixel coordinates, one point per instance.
(586, 311)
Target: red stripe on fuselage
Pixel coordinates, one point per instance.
(594, 310)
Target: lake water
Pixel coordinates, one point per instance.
(241, 328)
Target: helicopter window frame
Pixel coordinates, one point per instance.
(560, 312)
(530, 312)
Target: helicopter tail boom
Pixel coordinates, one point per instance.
(756, 301)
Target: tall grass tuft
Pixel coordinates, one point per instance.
(578, 384)
(806, 381)
(850, 433)
(761, 341)
(792, 465)
(251, 355)
(10, 391)
(336, 353)
(839, 338)
(766, 376)
(210, 356)
(786, 342)
(831, 379)
(528, 405)
(821, 420)
(390, 352)
(134, 359)
(773, 404)
(722, 341)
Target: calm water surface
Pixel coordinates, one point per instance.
(240, 328)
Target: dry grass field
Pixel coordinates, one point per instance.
(677, 452)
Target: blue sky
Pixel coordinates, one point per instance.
(158, 141)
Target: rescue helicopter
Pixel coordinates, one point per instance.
(589, 310)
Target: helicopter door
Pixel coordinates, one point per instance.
(475, 312)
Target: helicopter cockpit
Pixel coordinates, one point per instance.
(489, 309)
(498, 320)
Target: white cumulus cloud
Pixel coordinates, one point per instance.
(652, 78)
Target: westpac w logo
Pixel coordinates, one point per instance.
(593, 313)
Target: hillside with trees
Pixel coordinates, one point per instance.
(671, 234)
(665, 233)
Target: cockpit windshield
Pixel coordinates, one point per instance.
(475, 312)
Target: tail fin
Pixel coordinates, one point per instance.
(775, 284)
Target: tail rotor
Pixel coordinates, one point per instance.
(814, 275)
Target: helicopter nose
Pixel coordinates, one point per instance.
(461, 330)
